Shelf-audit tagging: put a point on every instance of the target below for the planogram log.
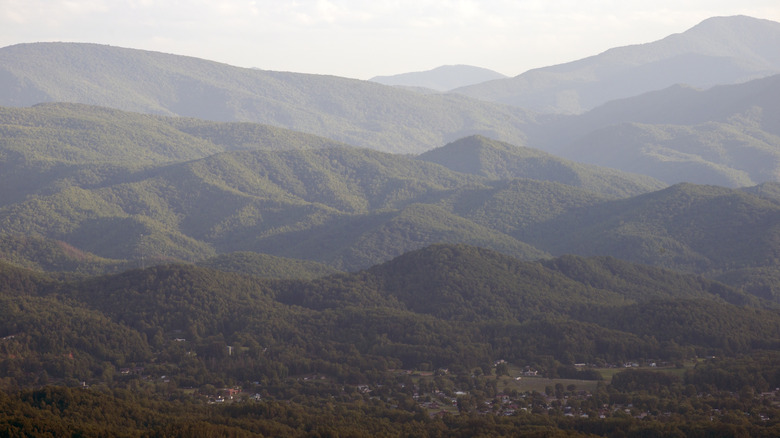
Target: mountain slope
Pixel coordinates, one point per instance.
(456, 281)
(359, 241)
(719, 50)
(727, 135)
(43, 254)
(264, 265)
(361, 113)
(343, 206)
(445, 305)
(497, 160)
(156, 351)
(441, 78)
(48, 145)
(512, 205)
(754, 103)
(687, 227)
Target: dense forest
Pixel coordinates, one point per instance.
(437, 341)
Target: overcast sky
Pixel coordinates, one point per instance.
(362, 39)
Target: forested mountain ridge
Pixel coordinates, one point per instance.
(719, 50)
(501, 161)
(726, 135)
(125, 187)
(444, 78)
(705, 229)
(76, 133)
(248, 201)
(267, 266)
(215, 278)
(98, 190)
(361, 113)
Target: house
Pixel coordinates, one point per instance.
(230, 392)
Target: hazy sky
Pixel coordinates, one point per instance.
(361, 39)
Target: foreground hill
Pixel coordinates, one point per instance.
(719, 50)
(444, 78)
(190, 351)
(436, 305)
(361, 113)
(42, 254)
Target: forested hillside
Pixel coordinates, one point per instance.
(496, 160)
(727, 135)
(172, 335)
(450, 297)
(705, 229)
(362, 113)
(95, 190)
(122, 189)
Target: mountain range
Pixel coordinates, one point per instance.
(361, 113)
(719, 50)
(124, 189)
(725, 135)
(346, 258)
(185, 189)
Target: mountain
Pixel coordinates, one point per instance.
(444, 78)
(84, 145)
(498, 160)
(230, 201)
(35, 252)
(361, 113)
(115, 203)
(475, 283)
(352, 242)
(470, 283)
(126, 189)
(719, 50)
(704, 229)
(727, 135)
(264, 265)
